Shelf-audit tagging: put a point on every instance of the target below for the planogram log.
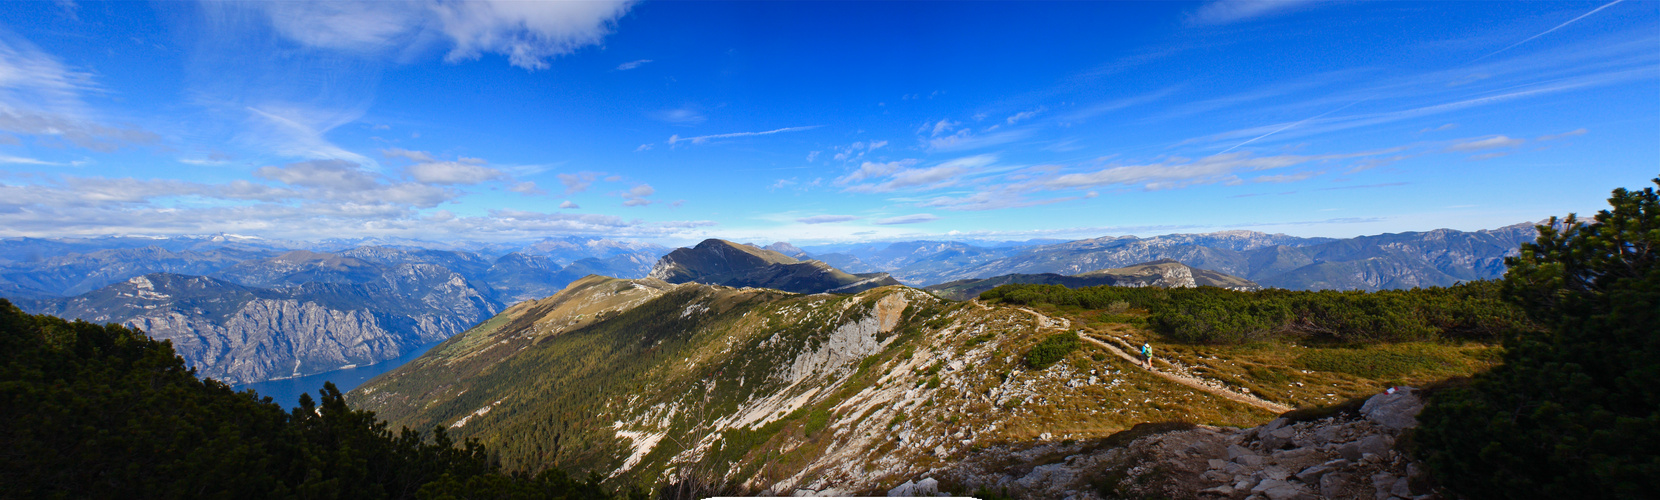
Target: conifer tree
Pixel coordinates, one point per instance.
(1574, 411)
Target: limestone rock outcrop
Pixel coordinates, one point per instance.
(1341, 456)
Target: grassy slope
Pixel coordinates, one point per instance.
(644, 380)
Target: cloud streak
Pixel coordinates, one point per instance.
(1547, 32)
(906, 219)
(827, 219)
(676, 139)
(900, 176)
(1497, 141)
(1232, 11)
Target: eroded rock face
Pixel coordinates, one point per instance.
(850, 342)
(266, 338)
(240, 334)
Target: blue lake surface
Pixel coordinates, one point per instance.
(287, 392)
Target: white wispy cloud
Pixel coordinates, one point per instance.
(527, 188)
(906, 219)
(852, 152)
(41, 96)
(453, 173)
(1615, 59)
(873, 170)
(632, 64)
(637, 195)
(1547, 32)
(1552, 137)
(964, 140)
(1023, 115)
(300, 132)
(1105, 107)
(1176, 172)
(578, 182)
(1497, 141)
(679, 116)
(1283, 178)
(1294, 124)
(343, 181)
(19, 160)
(308, 199)
(826, 219)
(427, 169)
(569, 205)
(900, 176)
(528, 33)
(1232, 11)
(997, 198)
(676, 139)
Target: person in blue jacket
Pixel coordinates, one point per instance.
(1147, 354)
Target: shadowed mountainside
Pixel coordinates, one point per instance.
(721, 262)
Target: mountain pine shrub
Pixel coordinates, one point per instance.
(1574, 411)
(103, 411)
(1051, 350)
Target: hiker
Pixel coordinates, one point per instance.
(1147, 354)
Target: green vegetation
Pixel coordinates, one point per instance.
(1573, 412)
(555, 397)
(1206, 315)
(104, 411)
(1051, 350)
(979, 339)
(1372, 363)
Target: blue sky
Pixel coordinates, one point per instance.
(818, 122)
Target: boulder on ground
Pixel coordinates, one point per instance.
(1397, 410)
(927, 487)
(904, 490)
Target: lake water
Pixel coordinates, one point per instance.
(287, 392)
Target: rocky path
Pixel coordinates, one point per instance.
(1193, 382)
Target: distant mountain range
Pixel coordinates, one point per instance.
(1398, 260)
(721, 262)
(241, 334)
(245, 310)
(248, 309)
(1161, 273)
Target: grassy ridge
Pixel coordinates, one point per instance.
(1465, 312)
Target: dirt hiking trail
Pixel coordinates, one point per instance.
(1192, 382)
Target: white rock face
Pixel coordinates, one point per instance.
(851, 342)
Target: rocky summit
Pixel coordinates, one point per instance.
(721, 262)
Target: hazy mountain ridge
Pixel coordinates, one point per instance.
(1398, 260)
(43, 270)
(242, 334)
(61, 267)
(280, 312)
(73, 274)
(1160, 273)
